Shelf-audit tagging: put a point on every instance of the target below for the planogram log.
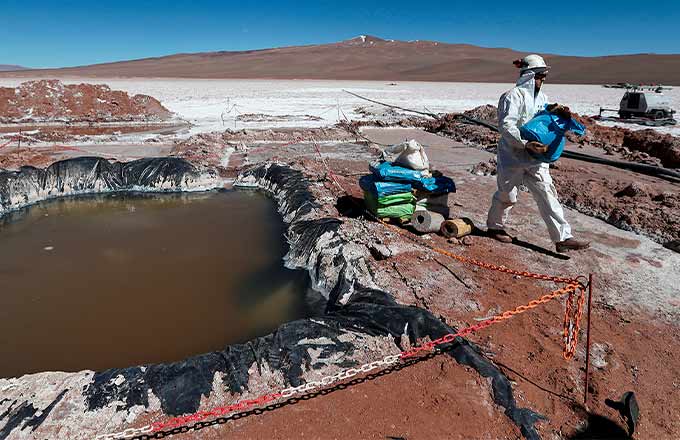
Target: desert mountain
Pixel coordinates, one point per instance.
(372, 58)
(10, 67)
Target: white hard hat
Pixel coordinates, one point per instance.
(534, 62)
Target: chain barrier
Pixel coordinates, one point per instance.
(574, 290)
(12, 139)
(343, 375)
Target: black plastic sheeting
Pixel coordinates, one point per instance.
(25, 415)
(92, 174)
(181, 385)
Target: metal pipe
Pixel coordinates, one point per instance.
(590, 302)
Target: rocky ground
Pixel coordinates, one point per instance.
(634, 321)
(644, 146)
(627, 200)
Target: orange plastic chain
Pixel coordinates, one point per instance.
(572, 314)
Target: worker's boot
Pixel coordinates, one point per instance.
(571, 244)
(500, 235)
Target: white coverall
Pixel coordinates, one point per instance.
(516, 167)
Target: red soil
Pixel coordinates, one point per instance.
(53, 101)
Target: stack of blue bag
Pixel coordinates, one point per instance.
(389, 189)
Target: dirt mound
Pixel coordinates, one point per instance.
(487, 113)
(644, 146)
(462, 130)
(644, 206)
(53, 101)
(663, 146)
(597, 135)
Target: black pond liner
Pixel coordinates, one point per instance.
(86, 175)
(316, 244)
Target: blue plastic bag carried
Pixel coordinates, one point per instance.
(386, 172)
(549, 129)
(383, 189)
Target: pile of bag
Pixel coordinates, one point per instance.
(397, 189)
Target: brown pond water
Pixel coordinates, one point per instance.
(127, 279)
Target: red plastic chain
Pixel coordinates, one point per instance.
(406, 354)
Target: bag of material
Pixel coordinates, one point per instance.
(549, 129)
(385, 171)
(411, 155)
(382, 189)
(396, 199)
(400, 211)
(436, 185)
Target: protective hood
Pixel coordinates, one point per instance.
(526, 81)
(515, 108)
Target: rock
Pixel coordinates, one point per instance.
(487, 113)
(673, 245)
(666, 198)
(380, 252)
(467, 241)
(598, 355)
(487, 168)
(632, 190)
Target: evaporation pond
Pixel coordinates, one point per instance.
(126, 279)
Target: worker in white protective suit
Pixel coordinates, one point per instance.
(516, 167)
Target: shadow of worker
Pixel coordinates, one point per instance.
(525, 245)
(540, 250)
(601, 428)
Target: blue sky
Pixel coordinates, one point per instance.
(67, 33)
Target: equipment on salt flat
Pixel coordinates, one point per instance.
(644, 105)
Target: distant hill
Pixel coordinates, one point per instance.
(372, 58)
(10, 67)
